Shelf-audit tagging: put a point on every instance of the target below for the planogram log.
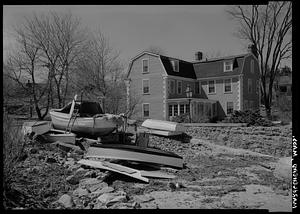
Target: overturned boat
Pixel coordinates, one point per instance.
(84, 117)
(135, 153)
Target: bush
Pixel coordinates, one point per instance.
(251, 117)
(13, 150)
(183, 118)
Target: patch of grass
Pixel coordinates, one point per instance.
(13, 153)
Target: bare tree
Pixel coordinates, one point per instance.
(269, 28)
(99, 71)
(58, 38)
(24, 63)
(156, 50)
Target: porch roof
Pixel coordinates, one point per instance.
(183, 99)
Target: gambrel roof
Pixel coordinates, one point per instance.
(200, 69)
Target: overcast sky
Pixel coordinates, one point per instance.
(179, 30)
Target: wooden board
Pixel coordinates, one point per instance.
(156, 174)
(160, 132)
(163, 125)
(38, 127)
(115, 168)
(62, 137)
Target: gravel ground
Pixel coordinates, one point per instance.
(226, 168)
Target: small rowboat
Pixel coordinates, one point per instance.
(84, 117)
(134, 153)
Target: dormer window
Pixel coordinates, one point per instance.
(145, 66)
(175, 65)
(228, 65)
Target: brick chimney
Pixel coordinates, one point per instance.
(198, 56)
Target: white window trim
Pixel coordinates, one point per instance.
(250, 80)
(177, 86)
(145, 59)
(175, 61)
(200, 87)
(143, 109)
(172, 92)
(231, 66)
(252, 66)
(227, 92)
(214, 87)
(148, 86)
(227, 106)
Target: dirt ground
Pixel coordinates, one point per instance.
(231, 168)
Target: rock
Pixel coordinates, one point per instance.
(72, 179)
(98, 186)
(50, 160)
(88, 182)
(90, 174)
(283, 169)
(33, 151)
(101, 191)
(66, 201)
(112, 197)
(142, 198)
(80, 192)
(120, 198)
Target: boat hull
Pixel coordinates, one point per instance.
(135, 153)
(86, 125)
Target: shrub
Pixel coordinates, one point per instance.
(13, 150)
(183, 118)
(251, 117)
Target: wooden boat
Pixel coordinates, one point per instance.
(84, 117)
(135, 153)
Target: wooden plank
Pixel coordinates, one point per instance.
(156, 174)
(65, 137)
(163, 125)
(115, 168)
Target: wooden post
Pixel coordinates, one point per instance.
(142, 139)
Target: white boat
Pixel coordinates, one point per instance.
(84, 117)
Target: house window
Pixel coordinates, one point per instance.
(227, 85)
(228, 65)
(211, 87)
(145, 86)
(175, 65)
(229, 107)
(200, 87)
(170, 110)
(196, 88)
(181, 109)
(251, 104)
(172, 86)
(187, 108)
(175, 110)
(257, 87)
(249, 86)
(146, 109)
(179, 87)
(283, 89)
(246, 104)
(145, 66)
(252, 66)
